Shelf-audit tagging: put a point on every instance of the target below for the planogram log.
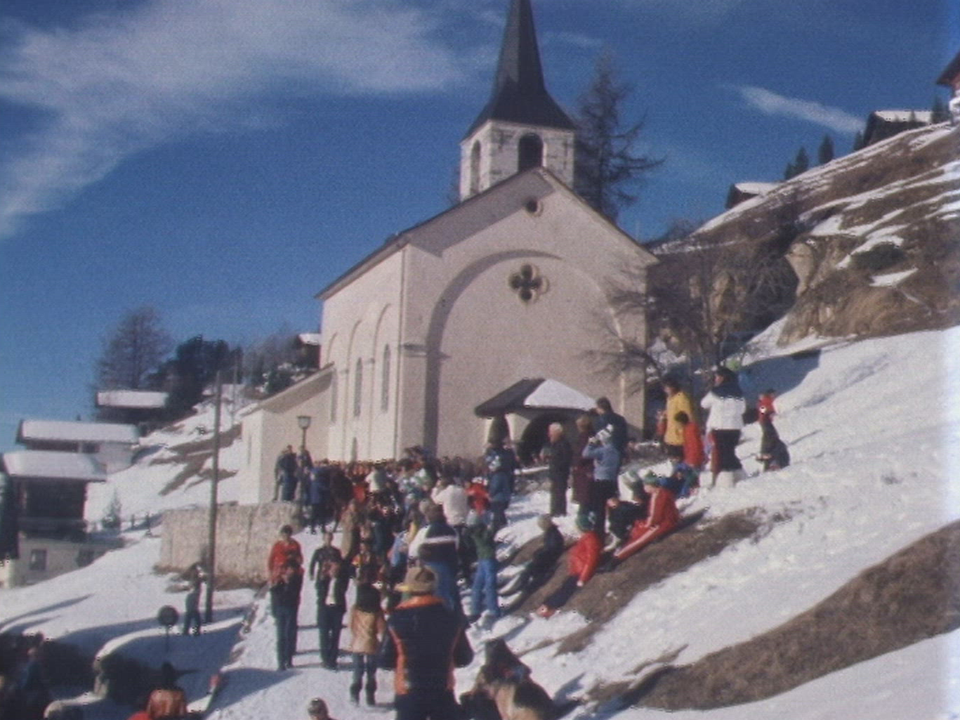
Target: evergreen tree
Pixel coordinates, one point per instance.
(800, 164)
(825, 151)
(608, 168)
(192, 369)
(858, 141)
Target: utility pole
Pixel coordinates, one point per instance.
(212, 517)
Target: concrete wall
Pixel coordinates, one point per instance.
(245, 534)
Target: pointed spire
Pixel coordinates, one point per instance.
(519, 92)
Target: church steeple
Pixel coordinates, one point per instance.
(521, 125)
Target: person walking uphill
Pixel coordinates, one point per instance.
(331, 574)
(424, 642)
(367, 626)
(726, 406)
(284, 604)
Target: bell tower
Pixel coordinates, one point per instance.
(521, 126)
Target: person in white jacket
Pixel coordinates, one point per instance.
(726, 406)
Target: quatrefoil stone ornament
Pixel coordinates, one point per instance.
(528, 283)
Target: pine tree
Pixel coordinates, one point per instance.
(801, 163)
(858, 141)
(825, 151)
(607, 166)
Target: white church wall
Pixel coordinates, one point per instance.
(488, 338)
(359, 316)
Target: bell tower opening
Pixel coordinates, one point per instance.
(530, 152)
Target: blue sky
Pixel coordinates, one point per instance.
(223, 160)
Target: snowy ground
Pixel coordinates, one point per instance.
(872, 433)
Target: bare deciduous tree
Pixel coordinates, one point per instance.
(133, 352)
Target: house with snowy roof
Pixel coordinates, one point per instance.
(49, 491)
(111, 444)
(512, 283)
(883, 124)
(739, 192)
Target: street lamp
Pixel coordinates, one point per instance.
(304, 422)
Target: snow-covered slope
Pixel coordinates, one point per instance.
(872, 429)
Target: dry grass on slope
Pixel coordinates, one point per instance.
(911, 596)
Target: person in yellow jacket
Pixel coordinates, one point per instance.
(677, 401)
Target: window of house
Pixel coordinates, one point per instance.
(38, 559)
(385, 380)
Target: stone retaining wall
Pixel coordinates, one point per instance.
(245, 534)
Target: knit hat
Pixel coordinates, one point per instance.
(317, 707)
(586, 521)
(418, 581)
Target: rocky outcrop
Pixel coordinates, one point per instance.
(865, 245)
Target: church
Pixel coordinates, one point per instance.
(493, 309)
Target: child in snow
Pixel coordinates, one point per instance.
(583, 561)
(693, 455)
(367, 626)
(191, 615)
(662, 518)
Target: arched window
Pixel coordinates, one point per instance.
(358, 388)
(333, 397)
(530, 152)
(385, 380)
(475, 168)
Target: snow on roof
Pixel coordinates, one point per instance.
(145, 399)
(904, 115)
(69, 431)
(309, 338)
(755, 188)
(49, 465)
(554, 394)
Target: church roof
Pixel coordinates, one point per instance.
(519, 91)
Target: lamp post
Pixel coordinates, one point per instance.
(304, 422)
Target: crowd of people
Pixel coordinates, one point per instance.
(418, 540)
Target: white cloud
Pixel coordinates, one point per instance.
(117, 84)
(770, 103)
(578, 40)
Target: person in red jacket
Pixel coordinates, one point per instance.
(693, 455)
(582, 564)
(662, 518)
(284, 549)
